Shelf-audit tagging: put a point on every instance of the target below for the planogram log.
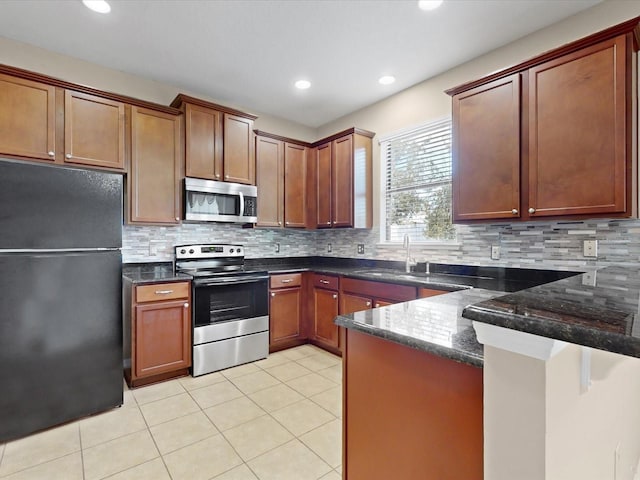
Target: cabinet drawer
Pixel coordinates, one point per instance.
(285, 280)
(325, 281)
(380, 290)
(162, 291)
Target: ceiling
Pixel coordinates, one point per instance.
(249, 52)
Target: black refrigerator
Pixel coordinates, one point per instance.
(60, 295)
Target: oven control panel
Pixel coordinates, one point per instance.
(208, 251)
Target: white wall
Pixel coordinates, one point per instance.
(541, 424)
(71, 69)
(427, 101)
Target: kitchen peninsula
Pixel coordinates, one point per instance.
(556, 396)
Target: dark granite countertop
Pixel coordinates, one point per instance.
(597, 309)
(434, 324)
(142, 273)
(441, 277)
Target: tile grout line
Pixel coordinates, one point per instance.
(84, 475)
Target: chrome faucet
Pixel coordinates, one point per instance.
(409, 262)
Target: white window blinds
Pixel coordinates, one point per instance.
(417, 187)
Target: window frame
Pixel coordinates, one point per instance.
(383, 185)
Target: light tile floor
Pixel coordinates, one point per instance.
(278, 418)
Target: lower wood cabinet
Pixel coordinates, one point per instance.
(286, 318)
(325, 333)
(357, 295)
(157, 332)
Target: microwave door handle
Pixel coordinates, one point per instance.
(241, 204)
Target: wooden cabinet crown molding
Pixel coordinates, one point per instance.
(630, 26)
(348, 131)
(181, 99)
(56, 82)
(273, 136)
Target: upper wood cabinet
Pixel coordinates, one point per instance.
(270, 181)
(154, 178)
(323, 184)
(94, 131)
(27, 118)
(295, 173)
(342, 169)
(486, 151)
(203, 142)
(281, 167)
(578, 125)
(33, 116)
(551, 137)
(219, 143)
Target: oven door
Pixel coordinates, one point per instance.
(229, 298)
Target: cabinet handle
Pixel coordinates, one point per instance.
(279, 223)
(368, 304)
(217, 175)
(532, 210)
(286, 281)
(186, 305)
(163, 292)
(52, 153)
(326, 282)
(68, 155)
(273, 294)
(177, 219)
(377, 305)
(226, 177)
(328, 223)
(514, 211)
(335, 295)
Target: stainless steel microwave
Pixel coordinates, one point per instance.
(212, 201)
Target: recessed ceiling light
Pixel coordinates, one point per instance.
(429, 4)
(99, 6)
(387, 80)
(303, 84)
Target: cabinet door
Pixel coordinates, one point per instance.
(203, 142)
(350, 303)
(342, 181)
(269, 180)
(486, 151)
(285, 315)
(323, 186)
(325, 306)
(239, 160)
(27, 118)
(93, 131)
(154, 177)
(162, 337)
(381, 303)
(429, 292)
(295, 163)
(577, 132)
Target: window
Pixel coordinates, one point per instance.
(417, 184)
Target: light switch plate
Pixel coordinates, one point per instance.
(328, 248)
(277, 248)
(590, 248)
(495, 252)
(361, 248)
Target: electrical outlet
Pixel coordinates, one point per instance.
(328, 248)
(589, 279)
(277, 248)
(361, 248)
(495, 252)
(590, 248)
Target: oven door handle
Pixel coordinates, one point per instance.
(229, 281)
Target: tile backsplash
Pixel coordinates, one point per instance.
(556, 245)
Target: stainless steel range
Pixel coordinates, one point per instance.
(230, 310)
